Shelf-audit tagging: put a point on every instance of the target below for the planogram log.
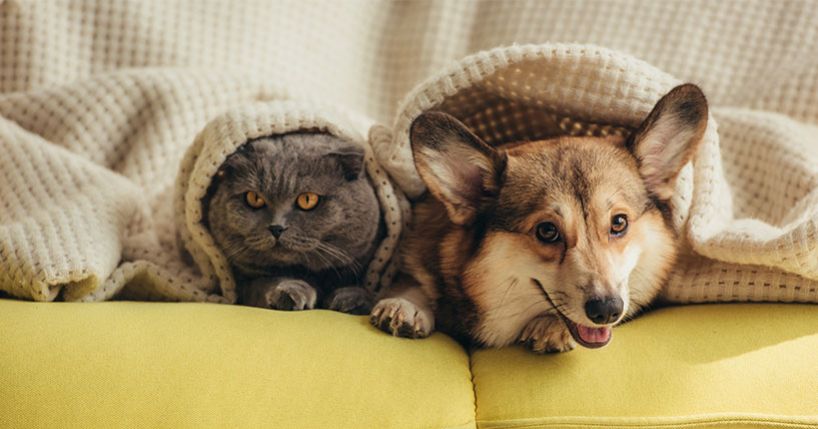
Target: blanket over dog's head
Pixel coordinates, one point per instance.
(531, 92)
(748, 231)
(223, 136)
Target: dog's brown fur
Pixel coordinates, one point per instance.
(472, 261)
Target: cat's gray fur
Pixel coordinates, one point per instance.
(322, 255)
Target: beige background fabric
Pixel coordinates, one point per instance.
(99, 100)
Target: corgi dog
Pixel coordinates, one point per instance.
(547, 243)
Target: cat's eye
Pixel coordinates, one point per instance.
(307, 201)
(547, 232)
(619, 225)
(254, 200)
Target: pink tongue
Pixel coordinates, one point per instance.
(594, 335)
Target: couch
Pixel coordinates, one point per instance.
(188, 365)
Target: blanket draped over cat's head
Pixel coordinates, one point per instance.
(301, 140)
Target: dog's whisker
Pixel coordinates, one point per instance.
(512, 283)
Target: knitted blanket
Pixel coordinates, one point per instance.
(113, 118)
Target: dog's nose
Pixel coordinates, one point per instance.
(276, 230)
(604, 310)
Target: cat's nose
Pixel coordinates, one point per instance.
(276, 230)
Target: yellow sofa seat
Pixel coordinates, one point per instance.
(702, 366)
(128, 364)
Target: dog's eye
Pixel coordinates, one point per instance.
(547, 232)
(619, 224)
(254, 200)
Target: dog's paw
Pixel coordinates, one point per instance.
(547, 334)
(400, 317)
(351, 300)
(291, 295)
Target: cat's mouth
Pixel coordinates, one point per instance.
(282, 250)
(300, 245)
(298, 250)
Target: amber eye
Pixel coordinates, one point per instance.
(619, 224)
(307, 201)
(547, 232)
(254, 200)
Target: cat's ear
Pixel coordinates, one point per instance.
(669, 137)
(458, 168)
(236, 161)
(351, 160)
(226, 170)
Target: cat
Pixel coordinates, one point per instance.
(297, 218)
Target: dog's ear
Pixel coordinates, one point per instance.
(458, 168)
(669, 137)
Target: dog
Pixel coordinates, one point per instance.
(548, 243)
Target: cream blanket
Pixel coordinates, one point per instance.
(100, 101)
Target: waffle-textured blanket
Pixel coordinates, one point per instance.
(101, 101)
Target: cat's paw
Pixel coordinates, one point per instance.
(547, 334)
(291, 295)
(351, 300)
(400, 317)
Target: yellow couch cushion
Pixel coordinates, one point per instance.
(701, 366)
(127, 364)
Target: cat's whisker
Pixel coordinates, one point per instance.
(342, 257)
(334, 254)
(333, 266)
(346, 256)
(234, 249)
(257, 241)
(324, 260)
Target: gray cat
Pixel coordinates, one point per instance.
(298, 220)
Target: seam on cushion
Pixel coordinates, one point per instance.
(797, 422)
(473, 385)
(473, 423)
(470, 425)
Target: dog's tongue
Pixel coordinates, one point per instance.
(594, 335)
